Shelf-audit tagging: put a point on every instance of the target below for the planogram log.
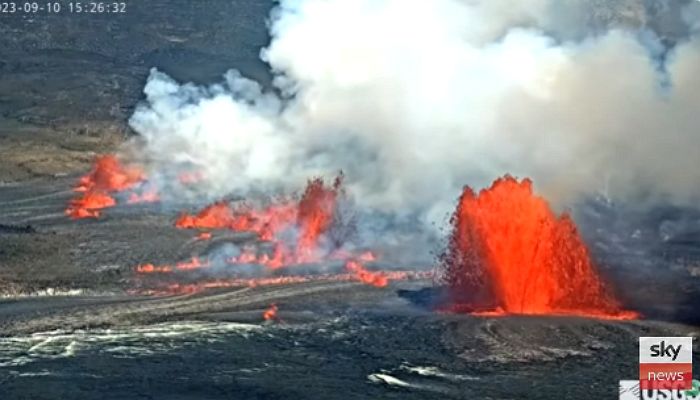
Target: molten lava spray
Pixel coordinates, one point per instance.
(376, 279)
(510, 253)
(315, 215)
(270, 314)
(312, 216)
(107, 176)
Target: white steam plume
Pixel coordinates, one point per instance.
(413, 99)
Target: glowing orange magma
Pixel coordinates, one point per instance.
(512, 252)
(377, 279)
(108, 175)
(188, 288)
(270, 314)
(311, 216)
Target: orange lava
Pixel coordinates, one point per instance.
(107, 176)
(315, 215)
(109, 173)
(150, 196)
(270, 314)
(312, 217)
(376, 279)
(193, 264)
(294, 232)
(509, 245)
(265, 223)
(196, 287)
(150, 269)
(251, 256)
(204, 236)
(88, 204)
(217, 215)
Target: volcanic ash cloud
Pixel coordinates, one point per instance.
(413, 99)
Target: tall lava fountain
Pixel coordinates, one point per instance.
(512, 251)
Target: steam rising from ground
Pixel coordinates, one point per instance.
(413, 99)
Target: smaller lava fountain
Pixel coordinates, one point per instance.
(290, 232)
(311, 217)
(510, 254)
(108, 176)
(270, 314)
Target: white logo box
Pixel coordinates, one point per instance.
(629, 390)
(685, 355)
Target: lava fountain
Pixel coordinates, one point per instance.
(510, 254)
(312, 216)
(108, 175)
(96, 189)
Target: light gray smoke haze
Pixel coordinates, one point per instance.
(413, 99)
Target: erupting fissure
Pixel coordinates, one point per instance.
(107, 177)
(311, 216)
(510, 254)
(296, 230)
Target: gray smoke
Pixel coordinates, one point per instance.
(414, 99)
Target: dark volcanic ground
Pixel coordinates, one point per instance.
(351, 349)
(68, 83)
(67, 87)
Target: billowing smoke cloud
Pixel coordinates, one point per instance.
(413, 99)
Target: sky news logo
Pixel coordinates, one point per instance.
(666, 363)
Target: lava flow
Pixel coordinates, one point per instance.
(166, 288)
(377, 279)
(193, 264)
(107, 176)
(294, 232)
(510, 254)
(311, 218)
